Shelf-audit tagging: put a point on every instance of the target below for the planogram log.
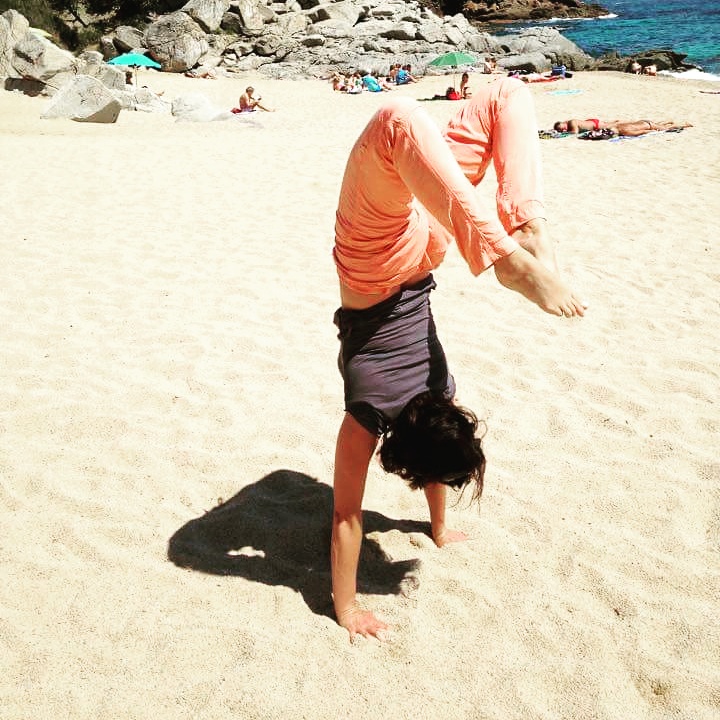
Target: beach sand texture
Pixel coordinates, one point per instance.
(168, 346)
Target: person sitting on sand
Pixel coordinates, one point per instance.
(489, 65)
(636, 67)
(404, 76)
(372, 83)
(338, 82)
(626, 128)
(249, 103)
(650, 70)
(465, 91)
(407, 192)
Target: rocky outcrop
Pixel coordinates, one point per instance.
(84, 99)
(513, 10)
(294, 39)
(176, 41)
(29, 60)
(662, 59)
(313, 37)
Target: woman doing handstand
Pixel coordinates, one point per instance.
(407, 193)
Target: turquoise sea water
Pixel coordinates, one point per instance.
(686, 26)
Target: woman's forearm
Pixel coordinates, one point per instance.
(355, 447)
(344, 558)
(435, 496)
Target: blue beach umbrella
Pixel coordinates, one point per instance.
(134, 60)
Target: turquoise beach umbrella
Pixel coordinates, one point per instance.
(134, 60)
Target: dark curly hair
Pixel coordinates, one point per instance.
(433, 440)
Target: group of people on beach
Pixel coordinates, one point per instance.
(637, 69)
(372, 81)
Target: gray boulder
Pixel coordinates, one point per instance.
(143, 100)
(252, 20)
(527, 62)
(401, 31)
(345, 10)
(13, 27)
(208, 14)
(92, 63)
(453, 35)
(84, 99)
(431, 32)
(36, 58)
(126, 38)
(331, 29)
(292, 23)
(176, 41)
(196, 107)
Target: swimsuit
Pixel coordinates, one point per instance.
(389, 354)
(595, 122)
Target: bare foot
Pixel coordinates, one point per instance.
(533, 237)
(521, 272)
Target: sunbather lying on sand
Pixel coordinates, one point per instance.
(628, 128)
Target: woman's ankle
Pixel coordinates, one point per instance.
(533, 236)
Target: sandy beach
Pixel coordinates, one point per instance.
(170, 399)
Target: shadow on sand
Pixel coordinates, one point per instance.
(277, 531)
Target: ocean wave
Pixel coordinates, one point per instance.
(609, 16)
(694, 74)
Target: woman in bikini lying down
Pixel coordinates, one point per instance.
(628, 128)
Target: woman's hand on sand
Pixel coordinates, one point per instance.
(446, 536)
(360, 622)
(521, 272)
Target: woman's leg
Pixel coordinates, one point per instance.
(401, 154)
(499, 124)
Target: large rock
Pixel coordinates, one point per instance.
(196, 107)
(143, 100)
(331, 29)
(207, 13)
(252, 19)
(128, 38)
(292, 23)
(431, 32)
(176, 41)
(401, 31)
(345, 11)
(485, 10)
(13, 27)
(84, 99)
(92, 63)
(534, 62)
(556, 48)
(662, 59)
(36, 58)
